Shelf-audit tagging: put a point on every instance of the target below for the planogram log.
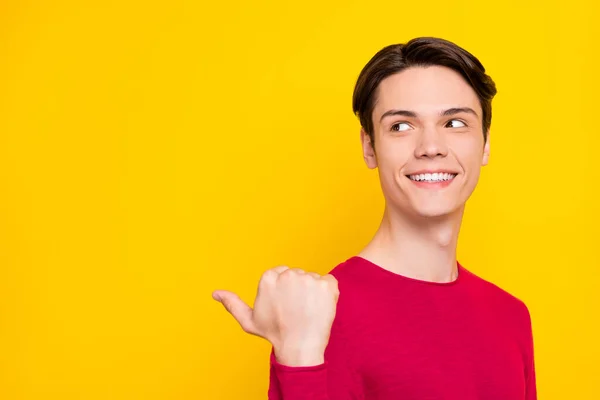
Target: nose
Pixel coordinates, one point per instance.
(430, 144)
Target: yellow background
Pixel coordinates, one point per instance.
(154, 151)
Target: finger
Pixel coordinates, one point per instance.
(241, 311)
(270, 275)
(291, 273)
(298, 271)
(314, 275)
(331, 280)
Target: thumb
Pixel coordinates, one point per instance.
(237, 308)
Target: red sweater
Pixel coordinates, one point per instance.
(397, 338)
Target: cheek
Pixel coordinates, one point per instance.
(393, 153)
(468, 151)
(392, 157)
(470, 155)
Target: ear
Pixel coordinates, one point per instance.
(486, 150)
(368, 149)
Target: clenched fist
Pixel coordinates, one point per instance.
(293, 310)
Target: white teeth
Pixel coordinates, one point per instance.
(435, 177)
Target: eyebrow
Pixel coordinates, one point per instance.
(444, 113)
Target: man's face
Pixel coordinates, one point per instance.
(429, 144)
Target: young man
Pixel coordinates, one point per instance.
(403, 319)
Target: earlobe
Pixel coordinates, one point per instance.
(368, 149)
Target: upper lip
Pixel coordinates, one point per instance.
(433, 171)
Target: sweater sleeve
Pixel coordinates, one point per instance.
(297, 383)
(335, 379)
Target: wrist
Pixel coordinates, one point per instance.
(299, 355)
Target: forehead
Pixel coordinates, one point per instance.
(425, 90)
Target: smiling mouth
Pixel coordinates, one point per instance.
(432, 177)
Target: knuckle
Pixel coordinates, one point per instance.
(286, 274)
(285, 277)
(280, 269)
(268, 276)
(332, 283)
(323, 284)
(291, 273)
(298, 271)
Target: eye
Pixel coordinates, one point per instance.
(400, 127)
(455, 123)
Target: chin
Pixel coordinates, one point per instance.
(434, 210)
(432, 213)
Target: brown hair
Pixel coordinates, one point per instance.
(420, 52)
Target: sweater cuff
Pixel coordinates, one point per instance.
(301, 383)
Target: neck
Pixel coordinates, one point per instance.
(419, 248)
